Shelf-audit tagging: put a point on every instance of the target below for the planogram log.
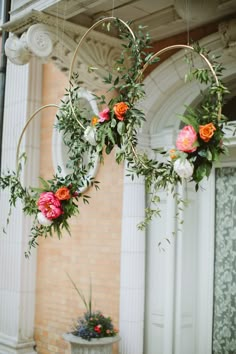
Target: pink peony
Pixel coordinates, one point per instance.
(49, 205)
(104, 115)
(186, 139)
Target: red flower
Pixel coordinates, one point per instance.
(97, 329)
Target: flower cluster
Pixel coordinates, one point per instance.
(197, 147)
(94, 325)
(117, 112)
(52, 205)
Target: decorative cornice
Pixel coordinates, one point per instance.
(44, 36)
(60, 8)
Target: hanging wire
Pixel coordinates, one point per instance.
(63, 22)
(113, 8)
(187, 13)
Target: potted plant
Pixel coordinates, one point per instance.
(93, 333)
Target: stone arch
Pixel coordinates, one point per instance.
(166, 96)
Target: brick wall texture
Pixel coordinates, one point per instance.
(92, 251)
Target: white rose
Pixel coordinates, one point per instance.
(90, 135)
(43, 220)
(183, 168)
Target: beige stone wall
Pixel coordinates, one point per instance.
(92, 250)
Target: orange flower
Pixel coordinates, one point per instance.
(120, 109)
(173, 154)
(63, 193)
(94, 120)
(206, 131)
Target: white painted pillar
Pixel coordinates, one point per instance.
(205, 266)
(17, 276)
(169, 268)
(132, 278)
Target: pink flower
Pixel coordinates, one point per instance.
(104, 115)
(186, 139)
(49, 205)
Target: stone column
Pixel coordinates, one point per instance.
(132, 281)
(17, 280)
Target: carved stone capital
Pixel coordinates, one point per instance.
(43, 36)
(37, 41)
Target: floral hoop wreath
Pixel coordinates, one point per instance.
(199, 144)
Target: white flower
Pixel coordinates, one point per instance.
(183, 168)
(43, 220)
(90, 135)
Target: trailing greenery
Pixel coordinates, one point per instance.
(199, 144)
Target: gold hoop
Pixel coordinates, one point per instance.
(26, 126)
(158, 53)
(188, 47)
(103, 20)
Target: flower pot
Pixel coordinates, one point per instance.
(94, 346)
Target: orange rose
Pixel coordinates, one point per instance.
(120, 109)
(94, 120)
(206, 131)
(63, 193)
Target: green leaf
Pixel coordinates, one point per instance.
(109, 148)
(121, 128)
(209, 155)
(116, 81)
(203, 170)
(190, 121)
(113, 123)
(45, 184)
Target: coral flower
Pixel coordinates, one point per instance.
(206, 131)
(94, 120)
(120, 109)
(49, 205)
(173, 154)
(104, 115)
(63, 193)
(186, 139)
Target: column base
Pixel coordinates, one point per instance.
(9, 345)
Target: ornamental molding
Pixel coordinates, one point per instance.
(60, 8)
(48, 38)
(227, 32)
